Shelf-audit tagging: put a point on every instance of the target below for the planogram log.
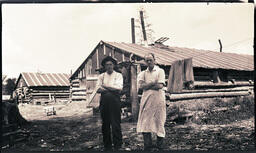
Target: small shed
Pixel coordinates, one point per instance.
(38, 88)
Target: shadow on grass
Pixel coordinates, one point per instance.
(210, 139)
(76, 133)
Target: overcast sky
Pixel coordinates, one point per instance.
(58, 37)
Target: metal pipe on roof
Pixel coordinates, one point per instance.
(220, 45)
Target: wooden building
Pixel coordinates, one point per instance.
(38, 88)
(211, 69)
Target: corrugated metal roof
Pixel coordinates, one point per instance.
(46, 79)
(201, 58)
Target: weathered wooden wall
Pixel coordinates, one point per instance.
(22, 83)
(94, 60)
(91, 84)
(42, 94)
(78, 90)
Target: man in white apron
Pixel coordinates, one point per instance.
(152, 113)
(110, 84)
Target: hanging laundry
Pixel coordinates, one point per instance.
(188, 70)
(175, 81)
(181, 72)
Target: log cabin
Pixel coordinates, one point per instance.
(41, 88)
(212, 70)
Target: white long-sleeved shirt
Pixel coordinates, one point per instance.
(114, 80)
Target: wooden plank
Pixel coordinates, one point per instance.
(47, 94)
(217, 90)
(92, 95)
(47, 98)
(97, 59)
(104, 49)
(76, 85)
(100, 54)
(113, 52)
(78, 98)
(123, 58)
(78, 89)
(78, 94)
(134, 93)
(92, 78)
(222, 84)
(118, 56)
(81, 92)
(95, 101)
(34, 96)
(62, 91)
(94, 63)
(175, 97)
(75, 80)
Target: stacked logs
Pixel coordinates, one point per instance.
(211, 90)
(77, 93)
(35, 95)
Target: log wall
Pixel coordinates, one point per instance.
(78, 90)
(94, 60)
(43, 94)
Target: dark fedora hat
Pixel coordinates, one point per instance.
(108, 58)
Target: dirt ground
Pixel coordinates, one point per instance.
(212, 127)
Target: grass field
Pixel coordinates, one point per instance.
(215, 124)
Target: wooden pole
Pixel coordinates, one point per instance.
(133, 30)
(143, 27)
(133, 93)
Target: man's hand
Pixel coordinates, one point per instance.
(101, 90)
(157, 86)
(110, 88)
(152, 85)
(147, 86)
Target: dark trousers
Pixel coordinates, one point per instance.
(111, 119)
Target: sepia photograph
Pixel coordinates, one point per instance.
(128, 77)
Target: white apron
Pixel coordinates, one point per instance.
(152, 114)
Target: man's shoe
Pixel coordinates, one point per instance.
(108, 149)
(160, 143)
(117, 148)
(147, 142)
